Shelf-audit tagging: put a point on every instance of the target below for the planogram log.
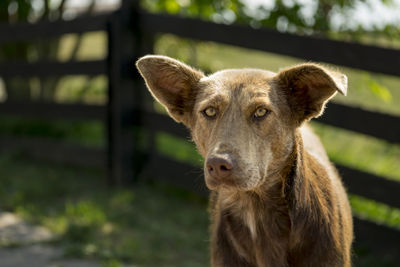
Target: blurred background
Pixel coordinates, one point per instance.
(80, 151)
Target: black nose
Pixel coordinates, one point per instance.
(219, 167)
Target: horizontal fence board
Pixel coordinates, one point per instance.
(176, 173)
(370, 186)
(54, 110)
(54, 151)
(45, 29)
(42, 68)
(376, 124)
(379, 240)
(308, 48)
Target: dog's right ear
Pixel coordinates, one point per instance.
(172, 83)
(308, 87)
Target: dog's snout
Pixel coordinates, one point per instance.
(219, 167)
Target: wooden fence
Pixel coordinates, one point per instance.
(130, 34)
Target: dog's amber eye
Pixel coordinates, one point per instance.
(260, 113)
(210, 112)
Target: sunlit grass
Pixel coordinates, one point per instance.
(83, 89)
(88, 133)
(360, 151)
(92, 46)
(178, 149)
(374, 211)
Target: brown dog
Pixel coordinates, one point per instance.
(276, 199)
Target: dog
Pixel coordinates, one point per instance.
(276, 200)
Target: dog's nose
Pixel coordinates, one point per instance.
(219, 167)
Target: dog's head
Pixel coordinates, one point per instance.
(242, 121)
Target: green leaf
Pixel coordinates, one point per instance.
(172, 6)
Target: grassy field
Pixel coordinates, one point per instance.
(153, 224)
(148, 225)
(83, 88)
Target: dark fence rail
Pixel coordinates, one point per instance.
(379, 125)
(54, 110)
(54, 151)
(43, 68)
(43, 30)
(370, 186)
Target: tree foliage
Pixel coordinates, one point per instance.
(299, 16)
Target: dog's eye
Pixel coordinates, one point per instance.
(260, 113)
(210, 112)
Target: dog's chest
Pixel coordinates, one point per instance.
(257, 231)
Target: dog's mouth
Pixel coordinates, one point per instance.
(232, 182)
(214, 183)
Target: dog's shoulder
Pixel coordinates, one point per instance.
(313, 146)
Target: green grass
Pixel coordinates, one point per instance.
(178, 149)
(373, 211)
(360, 151)
(147, 225)
(84, 89)
(81, 88)
(93, 46)
(88, 133)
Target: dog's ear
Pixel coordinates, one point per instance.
(308, 87)
(172, 83)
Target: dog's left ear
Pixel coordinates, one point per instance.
(172, 83)
(308, 87)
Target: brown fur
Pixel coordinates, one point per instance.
(276, 199)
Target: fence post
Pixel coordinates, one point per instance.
(126, 44)
(120, 100)
(114, 129)
(144, 44)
